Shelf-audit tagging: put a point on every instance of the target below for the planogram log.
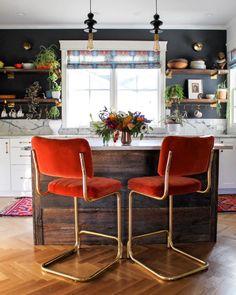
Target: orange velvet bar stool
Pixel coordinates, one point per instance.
(180, 157)
(70, 162)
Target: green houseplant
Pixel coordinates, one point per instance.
(47, 59)
(174, 94)
(54, 121)
(54, 83)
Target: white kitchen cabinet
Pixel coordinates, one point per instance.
(227, 167)
(21, 178)
(5, 179)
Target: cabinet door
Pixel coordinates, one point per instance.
(227, 165)
(21, 180)
(5, 183)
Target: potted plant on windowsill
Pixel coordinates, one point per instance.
(174, 94)
(54, 119)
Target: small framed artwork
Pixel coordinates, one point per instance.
(194, 89)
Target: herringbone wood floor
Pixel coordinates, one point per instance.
(20, 271)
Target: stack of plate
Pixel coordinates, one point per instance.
(198, 64)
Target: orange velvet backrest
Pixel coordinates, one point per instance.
(60, 157)
(190, 155)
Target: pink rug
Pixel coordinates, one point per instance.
(227, 203)
(21, 207)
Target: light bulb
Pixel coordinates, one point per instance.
(90, 41)
(156, 42)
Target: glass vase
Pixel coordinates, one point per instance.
(126, 138)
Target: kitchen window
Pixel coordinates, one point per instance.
(119, 79)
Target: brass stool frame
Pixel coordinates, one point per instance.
(46, 265)
(169, 232)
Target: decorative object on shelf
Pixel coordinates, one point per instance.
(198, 64)
(28, 65)
(198, 46)
(18, 65)
(90, 22)
(210, 96)
(20, 113)
(27, 45)
(197, 113)
(112, 123)
(4, 113)
(54, 121)
(156, 23)
(221, 61)
(194, 88)
(179, 63)
(1, 64)
(33, 93)
(221, 92)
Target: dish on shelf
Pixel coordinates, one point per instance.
(28, 65)
(9, 67)
(7, 96)
(198, 64)
(179, 63)
(210, 96)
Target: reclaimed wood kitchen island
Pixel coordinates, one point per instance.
(195, 215)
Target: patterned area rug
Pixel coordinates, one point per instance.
(21, 207)
(227, 203)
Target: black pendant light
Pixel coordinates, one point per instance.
(90, 22)
(156, 23)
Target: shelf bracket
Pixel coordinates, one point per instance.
(10, 75)
(168, 74)
(214, 75)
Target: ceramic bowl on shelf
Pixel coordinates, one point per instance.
(28, 65)
(179, 63)
(210, 96)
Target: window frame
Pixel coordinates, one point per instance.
(66, 45)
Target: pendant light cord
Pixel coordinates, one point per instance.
(156, 6)
(90, 5)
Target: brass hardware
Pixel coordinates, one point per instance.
(198, 46)
(27, 45)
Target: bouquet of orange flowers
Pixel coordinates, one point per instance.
(112, 123)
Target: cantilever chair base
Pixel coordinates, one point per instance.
(203, 265)
(74, 251)
(46, 266)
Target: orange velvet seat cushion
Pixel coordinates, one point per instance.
(97, 187)
(154, 185)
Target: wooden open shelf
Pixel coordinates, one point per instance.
(23, 71)
(198, 72)
(202, 100)
(25, 100)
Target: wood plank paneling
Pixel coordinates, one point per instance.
(194, 215)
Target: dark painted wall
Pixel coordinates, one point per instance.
(179, 45)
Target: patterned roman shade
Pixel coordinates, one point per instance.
(82, 59)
